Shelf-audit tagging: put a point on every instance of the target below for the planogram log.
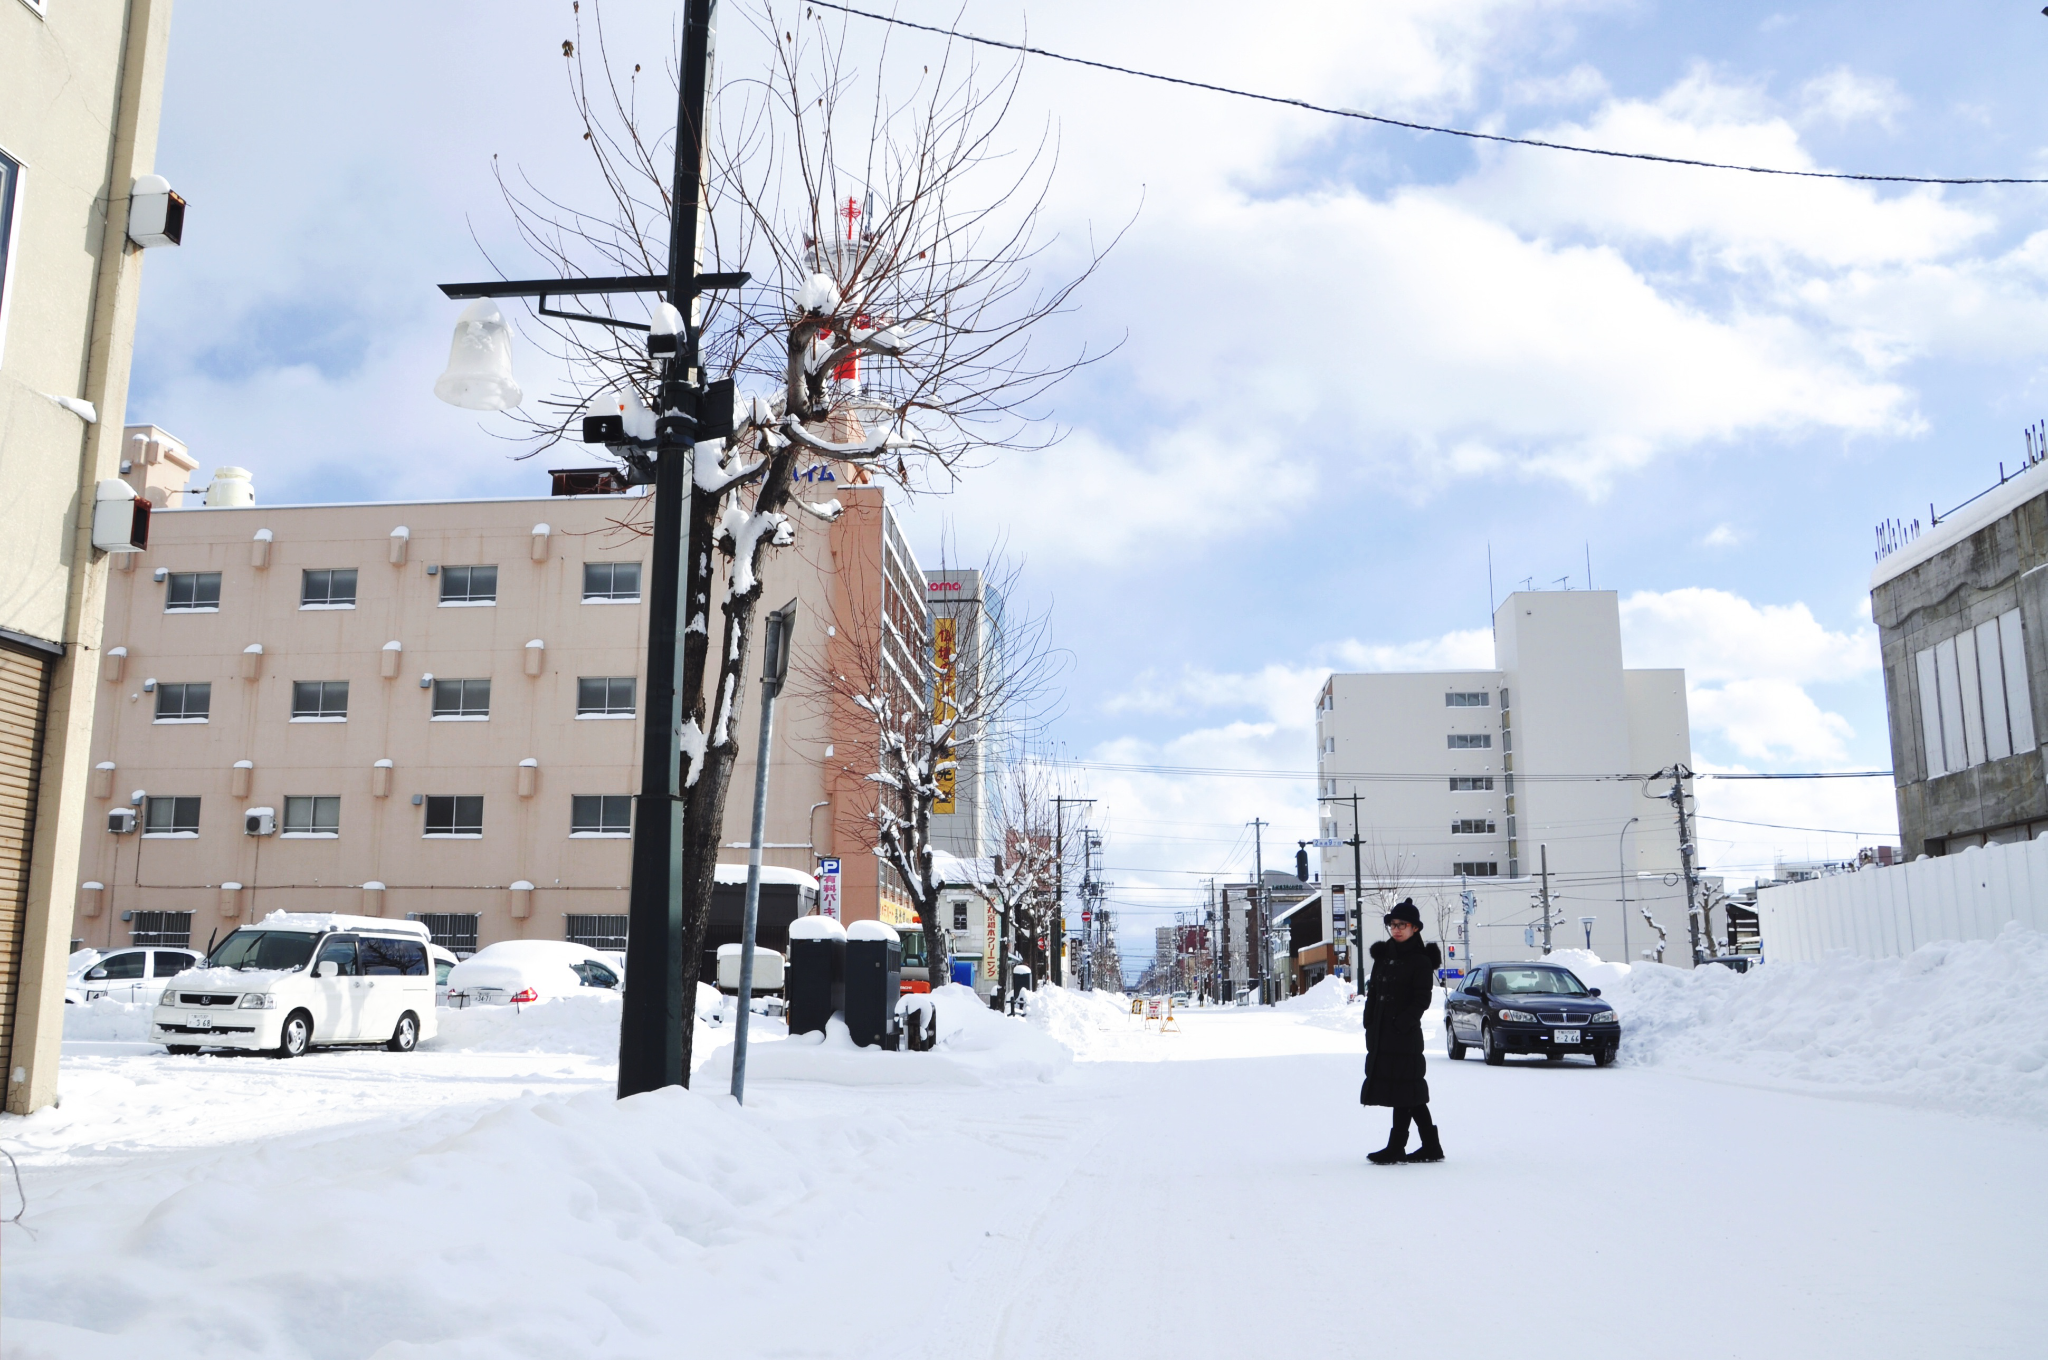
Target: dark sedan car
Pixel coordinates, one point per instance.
(1504, 1008)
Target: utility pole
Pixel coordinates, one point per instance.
(1059, 906)
(1255, 924)
(1544, 850)
(1357, 886)
(1226, 985)
(1621, 857)
(1679, 774)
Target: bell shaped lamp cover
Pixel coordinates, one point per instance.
(479, 376)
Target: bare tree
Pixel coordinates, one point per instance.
(1026, 884)
(891, 237)
(978, 680)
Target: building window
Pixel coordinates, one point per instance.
(326, 589)
(10, 177)
(162, 929)
(319, 701)
(462, 700)
(191, 703)
(596, 932)
(1471, 783)
(607, 814)
(469, 585)
(462, 816)
(1476, 868)
(1470, 741)
(611, 582)
(171, 817)
(320, 816)
(193, 592)
(959, 916)
(604, 696)
(1975, 705)
(1471, 826)
(454, 931)
(1467, 698)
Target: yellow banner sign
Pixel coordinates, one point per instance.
(943, 656)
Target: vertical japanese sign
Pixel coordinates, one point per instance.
(828, 888)
(993, 959)
(943, 660)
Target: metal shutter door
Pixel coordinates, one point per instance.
(23, 685)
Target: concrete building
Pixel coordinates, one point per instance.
(1478, 778)
(431, 709)
(80, 90)
(1962, 616)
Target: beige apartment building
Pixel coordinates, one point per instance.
(432, 709)
(80, 90)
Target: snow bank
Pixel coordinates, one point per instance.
(1593, 970)
(584, 1022)
(106, 1020)
(1331, 994)
(976, 1047)
(1955, 1026)
(1078, 1021)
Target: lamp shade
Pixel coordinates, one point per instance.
(479, 376)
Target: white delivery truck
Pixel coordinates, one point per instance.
(297, 980)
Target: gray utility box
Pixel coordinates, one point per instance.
(816, 983)
(874, 979)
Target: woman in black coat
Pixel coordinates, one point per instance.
(1397, 995)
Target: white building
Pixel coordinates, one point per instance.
(1476, 778)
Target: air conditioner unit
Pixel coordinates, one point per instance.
(259, 821)
(121, 821)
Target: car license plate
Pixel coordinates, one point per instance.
(1564, 1036)
(203, 1021)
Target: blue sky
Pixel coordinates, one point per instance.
(1355, 357)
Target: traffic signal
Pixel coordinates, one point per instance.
(1301, 862)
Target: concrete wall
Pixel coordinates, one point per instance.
(1887, 913)
(80, 93)
(1983, 571)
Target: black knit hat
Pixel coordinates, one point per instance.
(1404, 910)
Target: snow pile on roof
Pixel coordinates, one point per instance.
(329, 920)
(872, 930)
(816, 928)
(1952, 1026)
(737, 873)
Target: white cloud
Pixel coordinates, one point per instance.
(1725, 536)
(1842, 97)
(1770, 720)
(1718, 636)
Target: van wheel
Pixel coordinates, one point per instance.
(296, 1037)
(407, 1036)
(181, 1050)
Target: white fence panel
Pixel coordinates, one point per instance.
(1880, 913)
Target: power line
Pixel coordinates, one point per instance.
(1775, 826)
(1387, 777)
(1467, 133)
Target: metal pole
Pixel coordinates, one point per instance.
(1255, 923)
(655, 1010)
(1621, 863)
(774, 664)
(1545, 851)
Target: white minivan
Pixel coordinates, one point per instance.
(297, 980)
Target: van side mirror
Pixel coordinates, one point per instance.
(327, 968)
(96, 974)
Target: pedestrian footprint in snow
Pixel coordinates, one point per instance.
(1396, 997)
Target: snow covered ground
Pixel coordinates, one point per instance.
(1841, 1159)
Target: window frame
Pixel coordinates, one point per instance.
(184, 688)
(315, 831)
(608, 713)
(10, 213)
(454, 802)
(306, 576)
(469, 599)
(462, 712)
(179, 830)
(611, 594)
(1471, 783)
(1473, 826)
(171, 579)
(321, 713)
(603, 828)
(1468, 698)
(1468, 741)
(1475, 868)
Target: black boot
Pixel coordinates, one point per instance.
(1397, 1142)
(1431, 1150)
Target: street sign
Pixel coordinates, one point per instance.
(828, 888)
(1326, 843)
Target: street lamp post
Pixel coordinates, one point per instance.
(686, 410)
(1621, 863)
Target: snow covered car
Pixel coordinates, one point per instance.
(126, 974)
(1504, 1008)
(296, 981)
(444, 961)
(518, 972)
